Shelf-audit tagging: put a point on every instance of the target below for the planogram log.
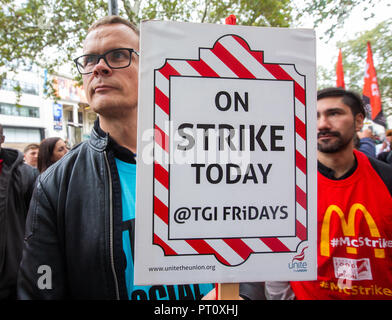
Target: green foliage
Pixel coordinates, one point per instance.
(325, 77)
(50, 32)
(249, 12)
(354, 60)
(44, 31)
(335, 12)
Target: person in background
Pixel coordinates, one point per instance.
(367, 144)
(50, 151)
(82, 218)
(31, 154)
(384, 153)
(387, 143)
(16, 187)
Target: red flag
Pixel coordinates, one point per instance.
(339, 71)
(371, 92)
(231, 19)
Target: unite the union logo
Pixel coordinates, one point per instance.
(297, 264)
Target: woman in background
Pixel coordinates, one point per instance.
(50, 151)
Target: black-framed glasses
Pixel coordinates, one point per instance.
(115, 59)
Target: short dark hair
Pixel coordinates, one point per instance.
(349, 98)
(113, 20)
(45, 152)
(31, 146)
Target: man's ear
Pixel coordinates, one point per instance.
(359, 117)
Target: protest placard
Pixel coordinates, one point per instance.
(226, 163)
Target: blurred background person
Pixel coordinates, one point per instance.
(386, 144)
(366, 143)
(50, 151)
(385, 150)
(31, 154)
(16, 188)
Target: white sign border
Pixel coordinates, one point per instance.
(196, 68)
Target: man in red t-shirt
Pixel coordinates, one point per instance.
(354, 208)
(354, 229)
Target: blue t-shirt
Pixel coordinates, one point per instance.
(127, 173)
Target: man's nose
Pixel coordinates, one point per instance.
(101, 68)
(323, 122)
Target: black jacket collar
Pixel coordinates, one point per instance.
(10, 156)
(102, 139)
(330, 174)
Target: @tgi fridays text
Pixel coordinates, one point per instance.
(206, 137)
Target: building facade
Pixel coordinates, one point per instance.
(33, 116)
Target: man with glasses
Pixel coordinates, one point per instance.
(16, 187)
(81, 221)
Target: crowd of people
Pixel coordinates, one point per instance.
(373, 146)
(44, 154)
(80, 221)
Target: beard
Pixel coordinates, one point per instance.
(334, 144)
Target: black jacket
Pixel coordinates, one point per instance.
(16, 187)
(72, 228)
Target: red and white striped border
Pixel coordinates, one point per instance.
(230, 57)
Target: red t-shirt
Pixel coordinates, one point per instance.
(1, 165)
(354, 238)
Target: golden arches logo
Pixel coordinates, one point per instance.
(348, 228)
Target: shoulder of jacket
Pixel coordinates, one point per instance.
(27, 169)
(67, 162)
(384, 170)
(13, 157)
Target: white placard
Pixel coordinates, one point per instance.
(226, 161)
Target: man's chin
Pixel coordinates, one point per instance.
(110, 109)
(327, 149)
(97, 107)
(102, 103)
(331, 148)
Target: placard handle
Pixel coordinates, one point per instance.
(228, 291)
